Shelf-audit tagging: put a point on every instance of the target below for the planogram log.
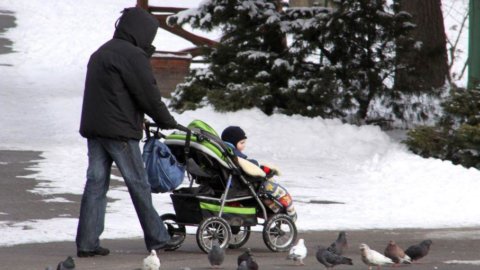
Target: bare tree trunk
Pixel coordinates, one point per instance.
(429, 60)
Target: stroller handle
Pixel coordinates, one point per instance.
(182, 128)
(148, 132)
(158, 134)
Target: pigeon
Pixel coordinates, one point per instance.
(330, 259)
(68, 264)
(373, 258)
(242, 266)
(244, 256)
(248, 264)
(216, 255)
(339, 245)
(151, 262)
(396, 253)
(298, 252)
(416, 252)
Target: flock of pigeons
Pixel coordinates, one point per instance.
(328, 256)
(333, 255)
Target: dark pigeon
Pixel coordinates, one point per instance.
(251, 264)
(248, 264)
(244, 256)
(340, 244)
(416, 252)
(68, 264)
(330, 259)
(216, 255)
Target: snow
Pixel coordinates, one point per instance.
(471, 262)
(375, 180)
(171, 55)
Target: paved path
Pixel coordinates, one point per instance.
(129, 253)
(19, 204)
(7, 20)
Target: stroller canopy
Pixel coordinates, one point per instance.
(209, 143)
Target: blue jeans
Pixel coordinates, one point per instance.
(127, 156)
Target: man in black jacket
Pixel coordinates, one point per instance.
(119, 88)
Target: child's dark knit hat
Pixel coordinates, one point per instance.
(233, 135)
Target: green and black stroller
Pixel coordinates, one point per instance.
(225, 201)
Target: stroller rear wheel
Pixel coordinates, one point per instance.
(173, 228)
(240, 236)
(279, 233)
(211, 229)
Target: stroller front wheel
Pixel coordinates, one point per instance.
(211, 229)
(279, 233)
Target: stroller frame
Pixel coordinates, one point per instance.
(215, 227)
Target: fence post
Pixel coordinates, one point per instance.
(474, 45)
(143, 4)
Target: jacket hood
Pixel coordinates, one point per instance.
(138, 27)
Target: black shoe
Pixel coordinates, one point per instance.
(172, 244)
(98, 251)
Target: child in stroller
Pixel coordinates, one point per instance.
(236, 139)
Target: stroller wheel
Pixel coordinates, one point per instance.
(173, 228)
(279, 233)
(240, 236)
(211, 229)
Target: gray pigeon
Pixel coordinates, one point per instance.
(216, 255)
(330, 259)
(340, 244)
(242, 266)
(68, 264)
(244, 256)
(251, 264)
(416, 252)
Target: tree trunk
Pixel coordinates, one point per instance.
(430, 61)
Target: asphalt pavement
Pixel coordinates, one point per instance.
(7, 20)
(448, 245)
(18, 204)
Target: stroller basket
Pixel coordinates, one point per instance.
(192, 209)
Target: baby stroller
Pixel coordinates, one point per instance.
(226, 201)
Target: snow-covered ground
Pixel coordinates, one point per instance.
(378, 182)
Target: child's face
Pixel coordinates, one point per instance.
(241, 145)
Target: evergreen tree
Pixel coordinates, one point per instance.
(248, 68)
(339, 60)
(356, 42)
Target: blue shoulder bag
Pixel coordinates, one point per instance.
(164, 172)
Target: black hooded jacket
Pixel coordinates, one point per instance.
(120, 86)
